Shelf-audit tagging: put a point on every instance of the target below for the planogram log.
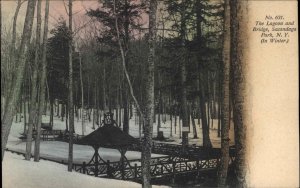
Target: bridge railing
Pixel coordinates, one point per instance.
(160, 166)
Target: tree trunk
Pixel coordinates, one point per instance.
(33, 101)
(160, 134)
(10, 109)
(205, 126)
(224, 161)
(171, 122)
(219, 110)
(175, 116)
(183, 72)
(124, 65)
(193, 120)
(149, 99)
(51, 112)
(63, 111)
(239, 20)
(125, 114)
(104, 87)
(71, 107)
(57, 111)
(43, 83)
(12, 52)
(25, 112)
(67, 116)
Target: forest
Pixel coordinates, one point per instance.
(167, 71)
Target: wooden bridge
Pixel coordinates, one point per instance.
(161, 168)
(191, 160)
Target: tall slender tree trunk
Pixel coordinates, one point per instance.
(126, 61)
(124, 65)
(33, 101)
(193, 120)
(175, 115)
(57, 109)
(219, 100)
(63, 111)
(51, 112)
(71, 107)
(125, 113)
(82, 94)
(149, 99)
(160, 134)
(224, 162)
(12, 52)
(104, 87)
(15, 91)
(239, 20)
(25, 112)
(42, 85)
(205, 126)
(202, 109)
(184, 107)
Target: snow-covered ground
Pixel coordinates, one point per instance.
(18, 173)
(59, 150)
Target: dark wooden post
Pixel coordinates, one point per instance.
(173, 171)
(83, 167)
(135, 171)
(186, 166)
(122, 164)
(96, 161)
(108, 170)
(198, 167)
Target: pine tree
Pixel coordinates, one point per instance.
(128, 14)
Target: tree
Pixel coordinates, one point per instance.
(180, 10)
(149, 99)
(42, 85)
(184, 107)
(123, 56)
(201, 12)
(12, 51)
(239, 53)
(71, 106)
(128, 14)
(82, 98)
(11, 106)
(223, 168)
(33, 101)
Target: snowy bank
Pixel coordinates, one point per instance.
(18, 173)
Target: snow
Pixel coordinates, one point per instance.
(20, 173)
(59, 150)
(17, 173)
